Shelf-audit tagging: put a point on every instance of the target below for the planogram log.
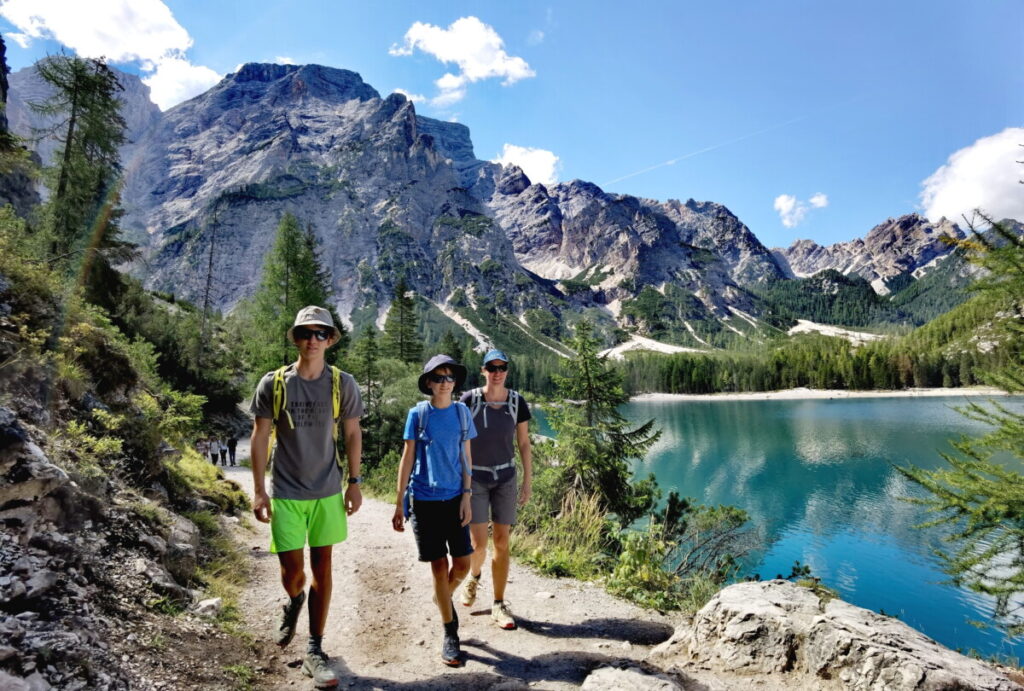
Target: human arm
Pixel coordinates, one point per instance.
(353, 434)
(404, 471)
(466, 506)
(526, 455)
(259, 444)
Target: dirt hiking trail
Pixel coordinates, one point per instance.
(383, 631)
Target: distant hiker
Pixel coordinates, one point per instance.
(302, 405)
(212, 449)
(501, 418)
(232, 445)
(203, 447)
(434, 488)
(222, 446)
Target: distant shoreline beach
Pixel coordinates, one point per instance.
(820, 394)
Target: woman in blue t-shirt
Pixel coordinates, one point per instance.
(434, 488)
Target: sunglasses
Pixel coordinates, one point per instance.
(496, 368)
(442, 378)
(302, 334)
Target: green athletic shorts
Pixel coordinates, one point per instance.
(292, 520)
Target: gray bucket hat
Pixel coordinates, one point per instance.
(313, 315)
(437, 361)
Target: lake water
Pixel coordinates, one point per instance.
(816, 477)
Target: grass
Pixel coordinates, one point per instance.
(192, 473)
(244, 676)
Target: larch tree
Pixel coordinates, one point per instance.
(978, 497)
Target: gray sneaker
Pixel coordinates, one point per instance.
(469, 589)
(501, 613)
(315, 665)
(287, 620)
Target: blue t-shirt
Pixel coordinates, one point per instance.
(437, 471)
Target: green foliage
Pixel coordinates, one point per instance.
(977, 497)
(293, 277)
(469, 223)
(830, 297)
(400, 338)
(595, 442)
(639, 574)
(573, 543)
(191, 474)
(82, 211)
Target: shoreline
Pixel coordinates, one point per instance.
(821, 394)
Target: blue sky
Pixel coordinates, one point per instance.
(807, 119)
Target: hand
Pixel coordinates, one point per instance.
(525, 492)
(398, 520)
(261, 506)
(466, 510)
(353, 499)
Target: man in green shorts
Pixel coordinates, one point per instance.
(305, 404)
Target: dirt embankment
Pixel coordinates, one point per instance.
(384, 633)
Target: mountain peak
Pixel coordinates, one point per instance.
(296, 82)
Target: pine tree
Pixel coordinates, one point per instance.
(400, 337)
(982, 499)
(84, 181)
(293, 277)
(595, 439)
(365, 354)
(451, 346)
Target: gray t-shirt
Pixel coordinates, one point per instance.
(304, 462)
(496, 432)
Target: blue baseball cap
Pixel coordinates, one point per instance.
(495, 354)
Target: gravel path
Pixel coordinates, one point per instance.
(384, 633)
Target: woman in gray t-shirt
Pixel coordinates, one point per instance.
(500, 416)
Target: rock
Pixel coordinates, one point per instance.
(209, 608)
(30, 477)
(11, 431)
(162, 581)
(779, 628)
(181, 561)
(11, 683)
(155, 543)
(40, 583)
(628, 679)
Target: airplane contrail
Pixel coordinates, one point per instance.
(673, 161)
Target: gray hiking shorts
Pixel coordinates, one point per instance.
(495, 501)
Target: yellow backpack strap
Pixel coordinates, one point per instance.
(280, 392)
(336, 398)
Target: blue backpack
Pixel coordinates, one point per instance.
(422, 469)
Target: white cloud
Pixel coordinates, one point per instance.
(284, 60)
(792, 211)
(540, 165)
(415, 98)
(176, 80)
(473, 46)
(536, 37)
(123, 31)
(984, 175)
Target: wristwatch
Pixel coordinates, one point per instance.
(355, 480)
(467, 490)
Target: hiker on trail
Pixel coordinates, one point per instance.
(223, 448)
(501, 417)
(303, 405)
(211, 448)
(434, 488)
(232, 445)
(203, 447)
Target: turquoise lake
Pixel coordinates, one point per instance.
(817, 478)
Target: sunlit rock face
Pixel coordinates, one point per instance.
(906, 245)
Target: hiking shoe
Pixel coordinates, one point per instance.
(502, 615)
(287, 620)
(315, 665)
(469, 591)
(451, 652)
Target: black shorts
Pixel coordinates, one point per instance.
(439, 530)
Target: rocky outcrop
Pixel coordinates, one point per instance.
(777, 630)
(906, 245)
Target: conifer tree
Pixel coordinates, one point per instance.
(982, 499)
(596, 440)
(365, 354)
(451, 346)
(293, 277)
(82, 210)
(401, 340)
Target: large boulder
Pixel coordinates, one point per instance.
(789, 633)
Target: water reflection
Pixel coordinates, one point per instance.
(817, 478)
